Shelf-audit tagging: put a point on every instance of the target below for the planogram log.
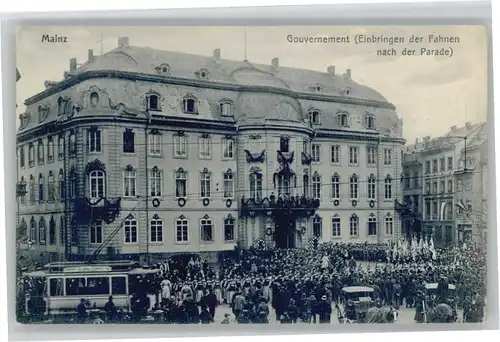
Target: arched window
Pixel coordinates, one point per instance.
(50, 150)
(314, 117)
(32, 189)
(369, 121)
(97, 184)
(95, 233)
(72, 184)
(354, 225)
(336, 230)
(51, 187)
(41, 186)
(226, 108)
(52, 231)
(228, 184)
(153, 102)
(181, 183)
(205, 184)
(388, 187)
(94, 99)
(316, 186)
(61, 106)
(317, 226)
(72, 144)
(343, 119)
(33, 230)
(255, 180)
(42, 231)
(335, 186)
(180, 145)
(62, 185)
(156, 225)
(189, 105)
(229, 228)
(372, 225)
(389, 227)
(305, 184)
(372, 187)
(21, 157)
(130, 230)
(206, 228)
(31, 155)
(205, 146)
(41, 152)
(60, 147)
(353, 187)
(181, 230)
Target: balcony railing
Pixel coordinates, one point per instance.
(87, 211)
(299, 206)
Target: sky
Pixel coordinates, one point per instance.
(431, 93)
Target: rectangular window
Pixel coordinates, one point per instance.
(51, 193)
(316, 187)
(336, 227)
(335, 154)
(353, 188)
(372, 188)
(371, 155)
(387, 156)
(450, 163)
(353, 155)
(60, 148)
(205, 148)
(428, 213)
(180, 184)
(156, 230)
(450, 186)
(94, 141)
(227, 149)
(442, 186)
(416, 182)
(317, 226)
(182, 230)
(206, 230)
(372, 225)
(354, 226)
(388, 188)
(427, 187)
(435, 212)
(205, 184)
(50, 150)
(129, 183)
(442, 165)
(228, 185)
(229, 229)
(155, 183)
(335, 187)
(434, 166)
(449, 208)
(434, 187)
(315, 154)
(154, 144)
(130, 229)
(389, 230)
(180, 146)
(128, 141)
(96, 233)
(407, 181)
(427, 167)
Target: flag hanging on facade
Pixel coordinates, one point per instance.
(461, 205)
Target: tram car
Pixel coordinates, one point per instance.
(59, 287)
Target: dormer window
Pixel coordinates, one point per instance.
(314, 117)
(61, 105)
(94, 99)
(284, 144)
(153, 102)
(226, 108)
(163, 69)
(189, 105)
(347, 91)
(23, 120)
(343, 119)
(43, 112)
(370, 121)
(316, 88)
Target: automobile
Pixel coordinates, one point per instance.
(361, 297)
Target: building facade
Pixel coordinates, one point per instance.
(142, 153)
(435, 179)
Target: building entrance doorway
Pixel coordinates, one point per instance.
(285, 231)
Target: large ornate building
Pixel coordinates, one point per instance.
(141, 153)
(442, 196)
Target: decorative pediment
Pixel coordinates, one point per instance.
(156, 217)
(155, 131)
(43, 112)
(163, 69)
(228, 171)
(255, 157)
(180, 134)
(205, 136)
(205, 170)
(206, 217)
(93, 166)
(202, 73)
(95, 98)
(255, 169)
(129, 168)
(229, 136)
(180, 170)
(254, 137)
(93, 128)
(155, 169)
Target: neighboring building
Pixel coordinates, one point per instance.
(143, 153)
(435, 166)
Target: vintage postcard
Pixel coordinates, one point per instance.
(229, 175)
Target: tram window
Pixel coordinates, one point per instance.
(97, 285)
(75, 287)
(56, 287)
(119, 285)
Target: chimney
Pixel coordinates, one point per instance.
(275, 62)
(49, 84)
(91, 54)
(348, 73)
(331, 70)
(453, 128)
(216, 55)
(123, 42)
(72, 65)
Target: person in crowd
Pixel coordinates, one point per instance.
(324, 310)
(205, 316)
(110, 310)
(81, 311)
